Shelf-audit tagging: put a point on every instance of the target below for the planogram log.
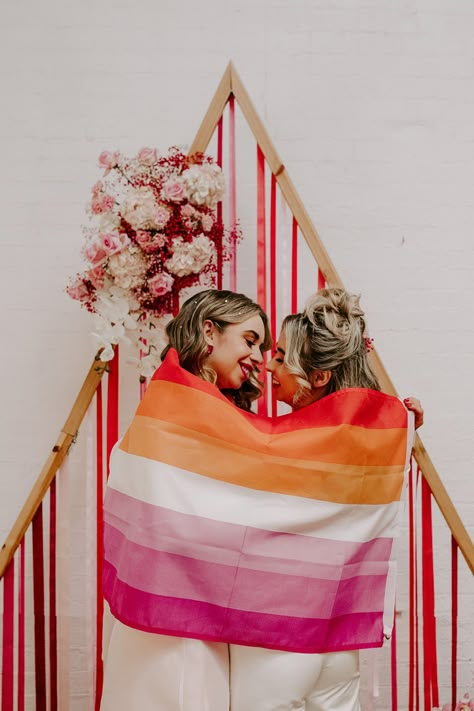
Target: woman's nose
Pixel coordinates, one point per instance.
(270, 366)
(257, 355)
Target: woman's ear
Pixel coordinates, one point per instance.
(320, 378)
(208, 331)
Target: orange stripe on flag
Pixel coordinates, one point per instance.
(342, 444)
(224, 461)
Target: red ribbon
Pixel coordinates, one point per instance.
(413, 641)
(53, 637)
(232, 195)
(294, 267)
(7, 636)
(261, 254)
(393, 655)
(112, 404)
(38, 607)
(21, 630)
(454, 620)
(321, 279)
(219, 205)
(430, 674)
(273, 272)
(100, 538)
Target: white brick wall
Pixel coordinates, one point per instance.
(371, 105)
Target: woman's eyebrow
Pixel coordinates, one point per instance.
(254, 334)
(280, 350)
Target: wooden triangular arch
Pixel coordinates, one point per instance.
(231, 85)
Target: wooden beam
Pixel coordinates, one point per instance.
(213, 114)
(284, 181)
(55, 458)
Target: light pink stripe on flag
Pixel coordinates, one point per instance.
(158, 525)
(236, 586)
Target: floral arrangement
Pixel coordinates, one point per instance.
(153, 232)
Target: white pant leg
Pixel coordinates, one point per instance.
(338, 685)
(151, 672)
(269, 680)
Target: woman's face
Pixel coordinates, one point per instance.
(284, 384)
(236, 351)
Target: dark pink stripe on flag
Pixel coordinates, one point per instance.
(200, 620)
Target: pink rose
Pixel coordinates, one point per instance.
(149, 242)
(147, 156)
(102, 203)
(160, 284)
(207, 221)
(113, 242)
(161, 216)
(78, 290)
(97, 187)
(173, 190)
(187, 210)
(108, 160)
(96, 276)
(94, 252)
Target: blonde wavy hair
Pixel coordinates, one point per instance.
(186, 334)
(328, 335)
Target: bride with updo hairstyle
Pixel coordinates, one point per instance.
(329, 336)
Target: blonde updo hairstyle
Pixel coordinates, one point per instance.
(186, 334)
(328, 335)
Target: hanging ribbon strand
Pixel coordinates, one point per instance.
(232, 196)
(53, 640)
(262, 406)
(7, 637)
(220, 261)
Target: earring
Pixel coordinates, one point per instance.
(209, 349)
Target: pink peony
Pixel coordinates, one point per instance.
(113, 242)
(78, 290)
(173, 190)
(147, 156)
(160, 284)
(108, 160)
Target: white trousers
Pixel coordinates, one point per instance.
(152, 672)
(269, 680)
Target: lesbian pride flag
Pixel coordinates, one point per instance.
(225, 526)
